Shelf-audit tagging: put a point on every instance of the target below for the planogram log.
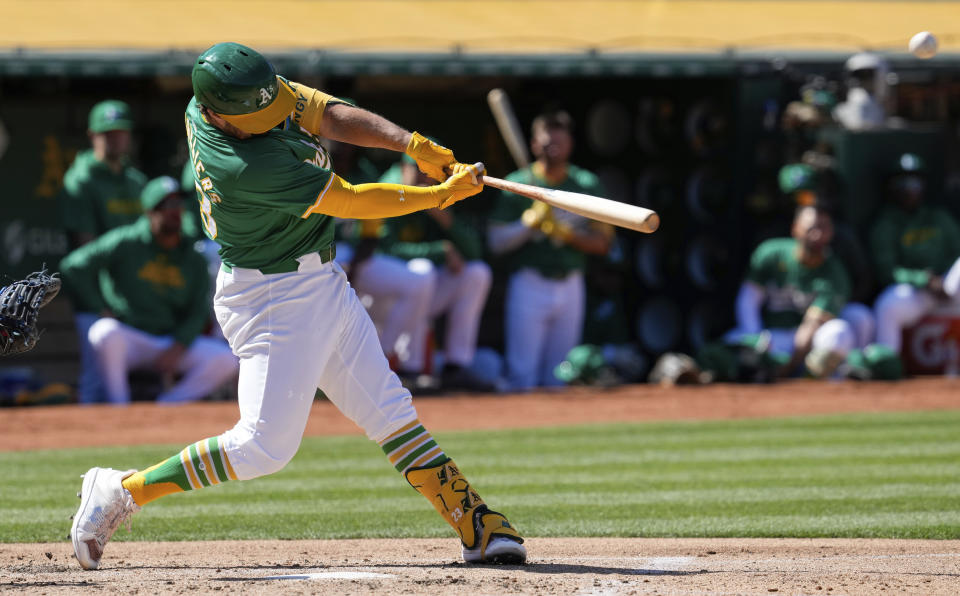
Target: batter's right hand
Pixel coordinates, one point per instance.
(463, 183)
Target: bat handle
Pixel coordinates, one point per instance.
(478, 167)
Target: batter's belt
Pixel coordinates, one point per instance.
(290, 265)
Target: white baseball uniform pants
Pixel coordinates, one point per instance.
(901, 306)
(836, 335)
(296, 332)
(120, 348)
(544, 321)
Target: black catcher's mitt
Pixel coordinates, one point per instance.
(20, 303)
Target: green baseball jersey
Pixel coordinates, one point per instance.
(253, 193)
(542, 253)
(162, 292)
(417, 235)
(791, 287)
(191, 226)
(95, 199)
(908, 247)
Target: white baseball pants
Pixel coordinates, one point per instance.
(295, 332)
(901, 306)
(836, 335)
(544, 321)
(120, 348)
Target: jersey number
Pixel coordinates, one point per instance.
(206, 212)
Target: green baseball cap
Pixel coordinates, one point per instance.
(108, 115)
(157, 190)
(584, 363)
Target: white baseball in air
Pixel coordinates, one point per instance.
(923, 45)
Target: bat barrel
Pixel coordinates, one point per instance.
(598, 208)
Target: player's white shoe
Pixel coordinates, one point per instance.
(104, 505)
(500, 548)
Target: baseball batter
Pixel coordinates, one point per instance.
(267, 196)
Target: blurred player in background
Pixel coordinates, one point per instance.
(443, 248)
(547, 249)
(150, 288)
(916, 251)
(101, 191)
(793, 296)
(269, 198)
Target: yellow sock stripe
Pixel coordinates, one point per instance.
(401, 431)
(209, 469)
(408, 447)
(423, 459)
(188, 466)
(226, 460)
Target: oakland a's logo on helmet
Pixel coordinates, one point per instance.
(266, 96)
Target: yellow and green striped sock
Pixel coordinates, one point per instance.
(412, 447)
(201, 464)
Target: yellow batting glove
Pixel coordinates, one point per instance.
(462, 184)
(458, 167)
(432, 159)
(560, 232)
(537, 215)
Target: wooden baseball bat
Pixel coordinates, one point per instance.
(598, 208)
(509, 127)
(605, 210)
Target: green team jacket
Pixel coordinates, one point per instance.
(541, 253)
(157, 291)
(791, 287)
(908, 247)
(417, 235)
(94, 199)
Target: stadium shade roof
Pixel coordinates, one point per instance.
(96, 37)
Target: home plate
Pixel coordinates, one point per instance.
(333, 575)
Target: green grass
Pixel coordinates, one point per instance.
(871, 475)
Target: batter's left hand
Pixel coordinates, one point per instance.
(463, 183)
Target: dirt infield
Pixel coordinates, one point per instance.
(556, 566)
(73, 426)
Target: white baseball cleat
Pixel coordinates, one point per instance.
(503, 545)
(104, 505)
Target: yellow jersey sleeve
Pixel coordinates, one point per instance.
(375, 201)
(311, 103)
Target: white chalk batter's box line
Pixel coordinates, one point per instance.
(322, 575)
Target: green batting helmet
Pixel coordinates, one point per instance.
(242, 87)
